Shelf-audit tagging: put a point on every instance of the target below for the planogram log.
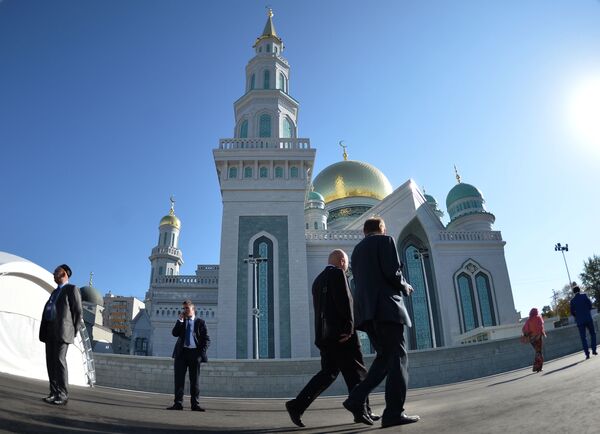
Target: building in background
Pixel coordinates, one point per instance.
(119, 311)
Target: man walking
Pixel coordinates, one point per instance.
(189, 352)
(380, 311)
(334, 336)
(581, 307)
(60, 322)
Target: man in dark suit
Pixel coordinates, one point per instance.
(61, 319)
(581, 307)
(379, 310)
(189, 352)
(334, 336)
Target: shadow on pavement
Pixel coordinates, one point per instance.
(560, 369)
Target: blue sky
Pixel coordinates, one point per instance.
(109, 107)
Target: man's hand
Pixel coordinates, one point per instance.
(344, 338)
(409, 289)
(181, 317)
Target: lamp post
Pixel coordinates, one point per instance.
(254, 261)
(421, 254)
(562, 249)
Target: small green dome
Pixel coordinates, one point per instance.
(462, 191)
(430, 199)
(91, 295)
(316, 196)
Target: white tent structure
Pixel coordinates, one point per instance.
(24, 289)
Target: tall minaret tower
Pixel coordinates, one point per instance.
(166, 258)
(264, 172)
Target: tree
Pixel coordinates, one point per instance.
(563, 308)
(547, 312)
(590, 278)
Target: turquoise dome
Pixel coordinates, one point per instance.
(462, 191)
(315, 195)
(430, 199)
(91, 295)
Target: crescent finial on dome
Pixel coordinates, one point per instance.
(457, 175)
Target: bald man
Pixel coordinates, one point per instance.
(334, 336)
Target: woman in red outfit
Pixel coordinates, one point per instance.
(534, 331)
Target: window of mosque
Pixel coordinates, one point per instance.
(263, 301)
(293, 172)
(266, 80)
(306, 225)
(420, 308)
(247, 172)
(233, 172)
(316, 225)
(467, 302)
(288, 129)
(486, 305)
(161, 271)
(264, 172)
(264, 125)
(279, 172)
(268, 48)
(260, 49)
(252, 82)
(212, 314)
(244, 129)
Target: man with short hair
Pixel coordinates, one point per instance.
(61, 319)
(379, 310)
(581, 307)
(334, 336)
(189, 352)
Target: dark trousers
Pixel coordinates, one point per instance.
(56, 363)
(187, 359)
(391, 362)
(590, 326)
(343, 357)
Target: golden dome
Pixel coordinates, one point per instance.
(170, 220)
(351, 179)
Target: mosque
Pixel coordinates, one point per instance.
(279, 224)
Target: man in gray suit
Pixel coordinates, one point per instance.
(379, 311)
(60, 322)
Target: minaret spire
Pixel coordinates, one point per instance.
(91, 276)
(457, 175)
(172, 200)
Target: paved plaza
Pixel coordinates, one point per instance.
(562, 399)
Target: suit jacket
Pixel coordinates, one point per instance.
(200, 335)
(68, 317)
(335, 304)
(581, 307)
(379, 284)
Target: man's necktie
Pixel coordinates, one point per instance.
(188, 329)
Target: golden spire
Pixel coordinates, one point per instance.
(172, 210)
(457, 175)
(269, 12)
(345, 154)
(91, 276)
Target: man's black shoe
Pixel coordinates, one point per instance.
(374, 417)
(175, 407)
(594, 353)
(49, 399)
(359, 412)
(587, 356)
(60, 401)
(402, 420)
(294, 414)
(197, 408)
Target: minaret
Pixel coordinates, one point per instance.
(166, 258)
(264, 172)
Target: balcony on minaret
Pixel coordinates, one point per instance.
(265, 143)
(165, 250)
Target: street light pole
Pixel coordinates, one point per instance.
(421, 253)
(254, 261)
(562, 249)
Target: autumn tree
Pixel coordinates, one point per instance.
(590, 278)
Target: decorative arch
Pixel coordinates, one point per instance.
(265, 244)
(475, 296)
(288, 129)
(266, 79)
(264, 125)
(243, 131)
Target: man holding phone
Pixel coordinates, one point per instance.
(189, 352)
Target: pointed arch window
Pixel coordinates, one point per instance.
(263, 247)
(244, 129)
(293, 172)
(233, 172)
(279, 172)
(421, 311)
(252, 81)
(475, 293)
(264, 172)
(266, 79)
(288, 129)
(268, 48)
(282, 82)
(264, 126)
(248, 172)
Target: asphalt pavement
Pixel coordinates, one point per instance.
(563, 398)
